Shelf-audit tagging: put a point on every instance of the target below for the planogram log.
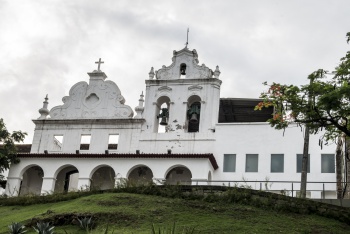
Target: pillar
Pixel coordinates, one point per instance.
(48, 186)
(84, 183)
(13, 186)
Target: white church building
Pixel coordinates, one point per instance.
(182, 132)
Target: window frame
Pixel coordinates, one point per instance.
(226, 167)
(257, 162)
(323, 165)
(276, 156)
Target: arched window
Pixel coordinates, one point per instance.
(193, 113)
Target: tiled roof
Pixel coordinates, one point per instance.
(110, 155)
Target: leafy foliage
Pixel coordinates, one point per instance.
(44, 228)
(323, 104)
(17, 228)
(7, 147)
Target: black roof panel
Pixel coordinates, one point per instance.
(235, 110)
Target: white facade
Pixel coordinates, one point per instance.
(94, 140)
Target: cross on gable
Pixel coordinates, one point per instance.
(99, 64)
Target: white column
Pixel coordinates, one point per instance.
(84, 183)
(48, 186)
(13, 186)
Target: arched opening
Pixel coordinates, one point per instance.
(162, 114)
(183, 71)
(179, 175)
(67, 179)
(140, 175)
(32, 181)
(193, 113)
(103, 178)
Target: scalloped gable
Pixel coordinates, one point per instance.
(98, 99)
(193, 70)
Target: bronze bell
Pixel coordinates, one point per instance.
(194, 118)
(163, 121)
(183, 69)
(164, 115)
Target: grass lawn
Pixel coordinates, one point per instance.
(134, 213)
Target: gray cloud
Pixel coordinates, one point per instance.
(47, 47)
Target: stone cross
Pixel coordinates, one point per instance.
(99, 64)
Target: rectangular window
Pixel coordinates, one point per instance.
(277, 163)
(57, 142)
(300, 163)
(251, 163)
(113, 141)
(85, 142)
(229, 163)
(327, 163)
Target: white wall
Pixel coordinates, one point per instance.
(262, 139)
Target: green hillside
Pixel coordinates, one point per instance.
(135, 213)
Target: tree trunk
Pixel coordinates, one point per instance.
(347, 167)
(339, 167)
(304, 163)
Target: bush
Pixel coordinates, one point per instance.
(17, 228)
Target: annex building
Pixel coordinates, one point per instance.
(181, 132)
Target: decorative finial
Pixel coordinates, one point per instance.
(139, 109)
(44, 111)
(188, 29)
(99, 64)
(217, 72)
(151, 74)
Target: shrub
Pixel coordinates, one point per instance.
(85, 223)
(17, 228)
(44, 228)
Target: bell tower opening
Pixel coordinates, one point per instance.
(182, 71)
(162, 114)
(193, 113)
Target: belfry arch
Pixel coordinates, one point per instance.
(193, 113)
(162, 114)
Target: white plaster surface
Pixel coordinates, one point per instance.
(98, 109)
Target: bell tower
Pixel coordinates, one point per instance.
(184, 96)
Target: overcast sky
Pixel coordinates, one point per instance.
(48, 46)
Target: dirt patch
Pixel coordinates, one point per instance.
(118, 201)
(72, 218)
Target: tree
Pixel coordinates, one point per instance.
(8, 151)
(323, 104)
